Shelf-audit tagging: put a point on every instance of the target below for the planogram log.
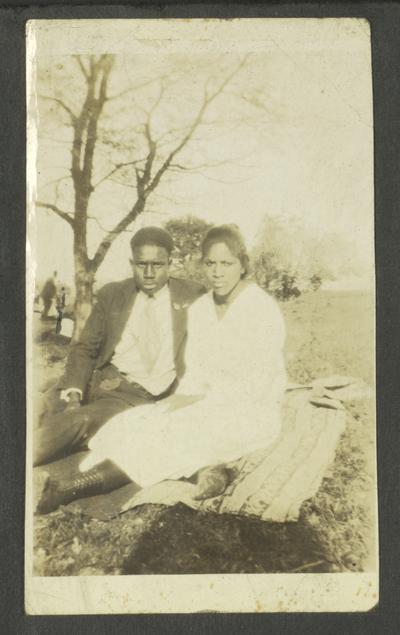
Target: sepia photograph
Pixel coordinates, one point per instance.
(201, 430)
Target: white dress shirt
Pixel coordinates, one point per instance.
(128, 358)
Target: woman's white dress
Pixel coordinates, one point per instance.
(236, 364)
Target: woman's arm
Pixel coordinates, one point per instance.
(192, 382)
(262, 367)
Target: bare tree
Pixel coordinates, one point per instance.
(158, 155)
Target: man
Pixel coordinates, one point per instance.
(48, 293)
(60, 306)
(130, 351)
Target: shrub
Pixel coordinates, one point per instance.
(315, 282)
(188, 233)
(274, 278)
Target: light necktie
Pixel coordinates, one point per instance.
(149, 340)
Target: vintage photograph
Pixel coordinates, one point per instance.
(200, 316)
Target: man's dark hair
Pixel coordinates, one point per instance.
(153, 236)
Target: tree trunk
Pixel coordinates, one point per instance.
(84, 278)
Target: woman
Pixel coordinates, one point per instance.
(227, 405)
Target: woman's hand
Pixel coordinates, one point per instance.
(211, 481)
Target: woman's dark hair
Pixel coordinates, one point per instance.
(231, 236)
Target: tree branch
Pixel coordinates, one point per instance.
(115, 232)
(119, 166)
(63, 105)
(208, 99)
(81, 66)
(100, 226)
(56, 181)
(64, 215)
(95, 108)
(200, 166)
(145, 178)
(134, 88)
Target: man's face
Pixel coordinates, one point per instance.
(150, 268)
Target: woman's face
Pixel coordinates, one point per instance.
(222, 268)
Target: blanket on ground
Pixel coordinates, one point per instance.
(271, 483)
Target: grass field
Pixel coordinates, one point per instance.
(327, 333)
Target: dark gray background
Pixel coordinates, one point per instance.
(385, 26)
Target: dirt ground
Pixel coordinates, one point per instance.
(327, 333)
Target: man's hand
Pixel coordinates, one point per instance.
(74, 401)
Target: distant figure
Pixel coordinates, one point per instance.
(60, 306)
(48, 293)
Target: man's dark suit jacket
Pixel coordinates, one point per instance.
(105, 325)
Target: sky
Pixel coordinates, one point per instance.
(304, 154)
